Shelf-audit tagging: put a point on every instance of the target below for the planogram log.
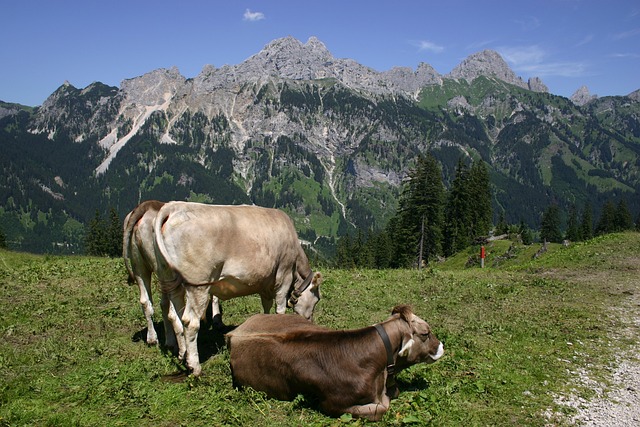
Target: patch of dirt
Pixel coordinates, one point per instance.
(617, 402)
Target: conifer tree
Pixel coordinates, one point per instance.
(573, 232)
(481, 214)
(502, 227)
(586, 226)
(623, 220)
(3, 239)
(525, 233)
(114, 234)
(550, 227)
(97, 243)
(607, 221)
(420, 204)
(344, 252)
(458, 215)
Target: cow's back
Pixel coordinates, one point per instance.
(207, 243)
(277, 336)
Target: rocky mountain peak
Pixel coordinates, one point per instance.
(537, 85)
(289, 58)
(486, 63)
(582, 96)
(635, 95)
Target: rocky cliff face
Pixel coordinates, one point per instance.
(582, 96)
(489, 63)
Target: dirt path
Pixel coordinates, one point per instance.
(617, 403)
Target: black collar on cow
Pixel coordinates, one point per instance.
(391, 365)
(293, 299)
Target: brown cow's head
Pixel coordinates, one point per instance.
(309, 298)
(421, 346)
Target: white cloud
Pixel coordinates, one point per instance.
(624, 55)
(626, 34)
(585, 40)
(252, 16)
(531, 60)
(519, 56)
(528, 23)
(423, 45)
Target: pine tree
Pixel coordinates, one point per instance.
(481, 213)
(550, 227)
(623, 220)
(607, 221)
(458, 215)
(573, 232)
(3, 239)
(420, 203)
(97, 242)
(114, 234)
(586, 226)
(344, 252)
(525, 233)
(502, 227)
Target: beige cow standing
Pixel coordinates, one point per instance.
(140, 261)
(230, 251)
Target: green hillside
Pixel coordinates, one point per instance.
(513, 332)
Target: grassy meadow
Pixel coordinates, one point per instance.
(72, 334)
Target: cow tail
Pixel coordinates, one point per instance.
(158, 239)
(129, 223)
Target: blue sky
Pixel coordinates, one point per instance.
(568, 43)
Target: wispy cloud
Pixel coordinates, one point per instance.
(626, 34)
(425, 45)
(625, 55)
(585, 40)
(252, 16)
(528, 23)
(532, 60)
(522, 55)
(479, 44)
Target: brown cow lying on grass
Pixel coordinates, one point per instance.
(348, 371)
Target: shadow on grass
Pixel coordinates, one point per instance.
(211, 341)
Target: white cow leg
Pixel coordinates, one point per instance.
(174, 309)
(216, 313)
(197, 299)
(372, 411)
(144, 284)
(282, 292)
(169, 333)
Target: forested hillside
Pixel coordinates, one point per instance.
(332, 144)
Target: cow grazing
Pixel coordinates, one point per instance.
(348, 371)
(230, 251)
(140, 260)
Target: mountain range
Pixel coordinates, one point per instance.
(328, 140)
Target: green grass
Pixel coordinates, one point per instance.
(73, 352)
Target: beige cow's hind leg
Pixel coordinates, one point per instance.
(143, 279)
(216, 313)
(172, 307)
(197, 299)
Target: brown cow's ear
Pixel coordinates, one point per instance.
(406, 347)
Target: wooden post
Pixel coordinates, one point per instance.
(482, 255)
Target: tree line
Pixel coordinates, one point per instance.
(433, 222)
